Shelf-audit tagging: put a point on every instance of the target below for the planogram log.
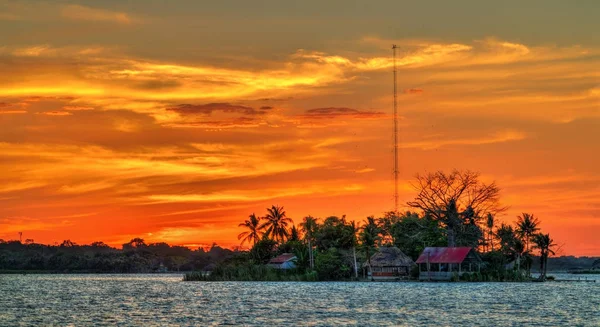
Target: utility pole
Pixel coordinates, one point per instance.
(20, 237)
(395, 133)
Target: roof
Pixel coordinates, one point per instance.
(390, 257)
(282, 258)
(444, 255)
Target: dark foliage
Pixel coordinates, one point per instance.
(135, 257)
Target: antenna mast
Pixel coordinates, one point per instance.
(395, 135)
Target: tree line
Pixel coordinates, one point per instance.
(136, 256)
(450, 209)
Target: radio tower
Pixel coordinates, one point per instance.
(395, 135)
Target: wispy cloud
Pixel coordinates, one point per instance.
(413, 91)
(55, 113)
(207, 109)
(78, 12)
(77, 108)
(500, 137)
(333, 113)
(12, 225)
(33, 51)
(255, 195)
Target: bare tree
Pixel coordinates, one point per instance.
(458, 199)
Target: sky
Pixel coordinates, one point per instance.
(173, 121)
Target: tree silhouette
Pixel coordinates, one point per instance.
(490, 225)
(527, 226)
(252, 234)
(545, 245)
(309, 226)
(369, 236)
(458, 200)
(276, 224)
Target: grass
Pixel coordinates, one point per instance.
(250, 273)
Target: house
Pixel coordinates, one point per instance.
(389, 264)
(283, 261)
(162, 268)
(441, 263)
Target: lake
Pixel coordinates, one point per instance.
(164, 300)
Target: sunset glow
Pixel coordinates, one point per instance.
(174, 123)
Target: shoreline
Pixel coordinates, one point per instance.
(315, 281)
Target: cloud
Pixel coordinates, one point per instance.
(158, 84)
(84, 166)
(5, 109)
(78, 12)
(241, 122)
(20, 185)
(55, 113)
(334, 112)
(12, 112)
(413, 91)
(77, 108)
(254, 196)
(500, 137)
(84, 187)
(416, 56)
(11, 225)
(109, 80)
(33, 51)
(46, 50)
(207, 109)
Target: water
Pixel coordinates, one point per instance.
(164, 300)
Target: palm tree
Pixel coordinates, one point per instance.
(355, 229)
(545, 245)
(309, 226)
(276, 223)
(506, 238)
(251, 235)
(519, 251)
(294, 235)
(369, 236)
(490, 226)
(527, 225)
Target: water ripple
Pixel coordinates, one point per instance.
(164, 300)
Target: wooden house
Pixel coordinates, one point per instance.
(283, 261)
(389, 263)
(441, 263)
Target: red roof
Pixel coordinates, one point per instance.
(444, 255)
(282, 258)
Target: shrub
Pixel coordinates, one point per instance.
(330, 266)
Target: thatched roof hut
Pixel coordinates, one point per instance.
(389, 263)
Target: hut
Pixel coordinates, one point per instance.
(284, 261)
(389, 263)
(441, 263)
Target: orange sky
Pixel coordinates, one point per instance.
(174, 121)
